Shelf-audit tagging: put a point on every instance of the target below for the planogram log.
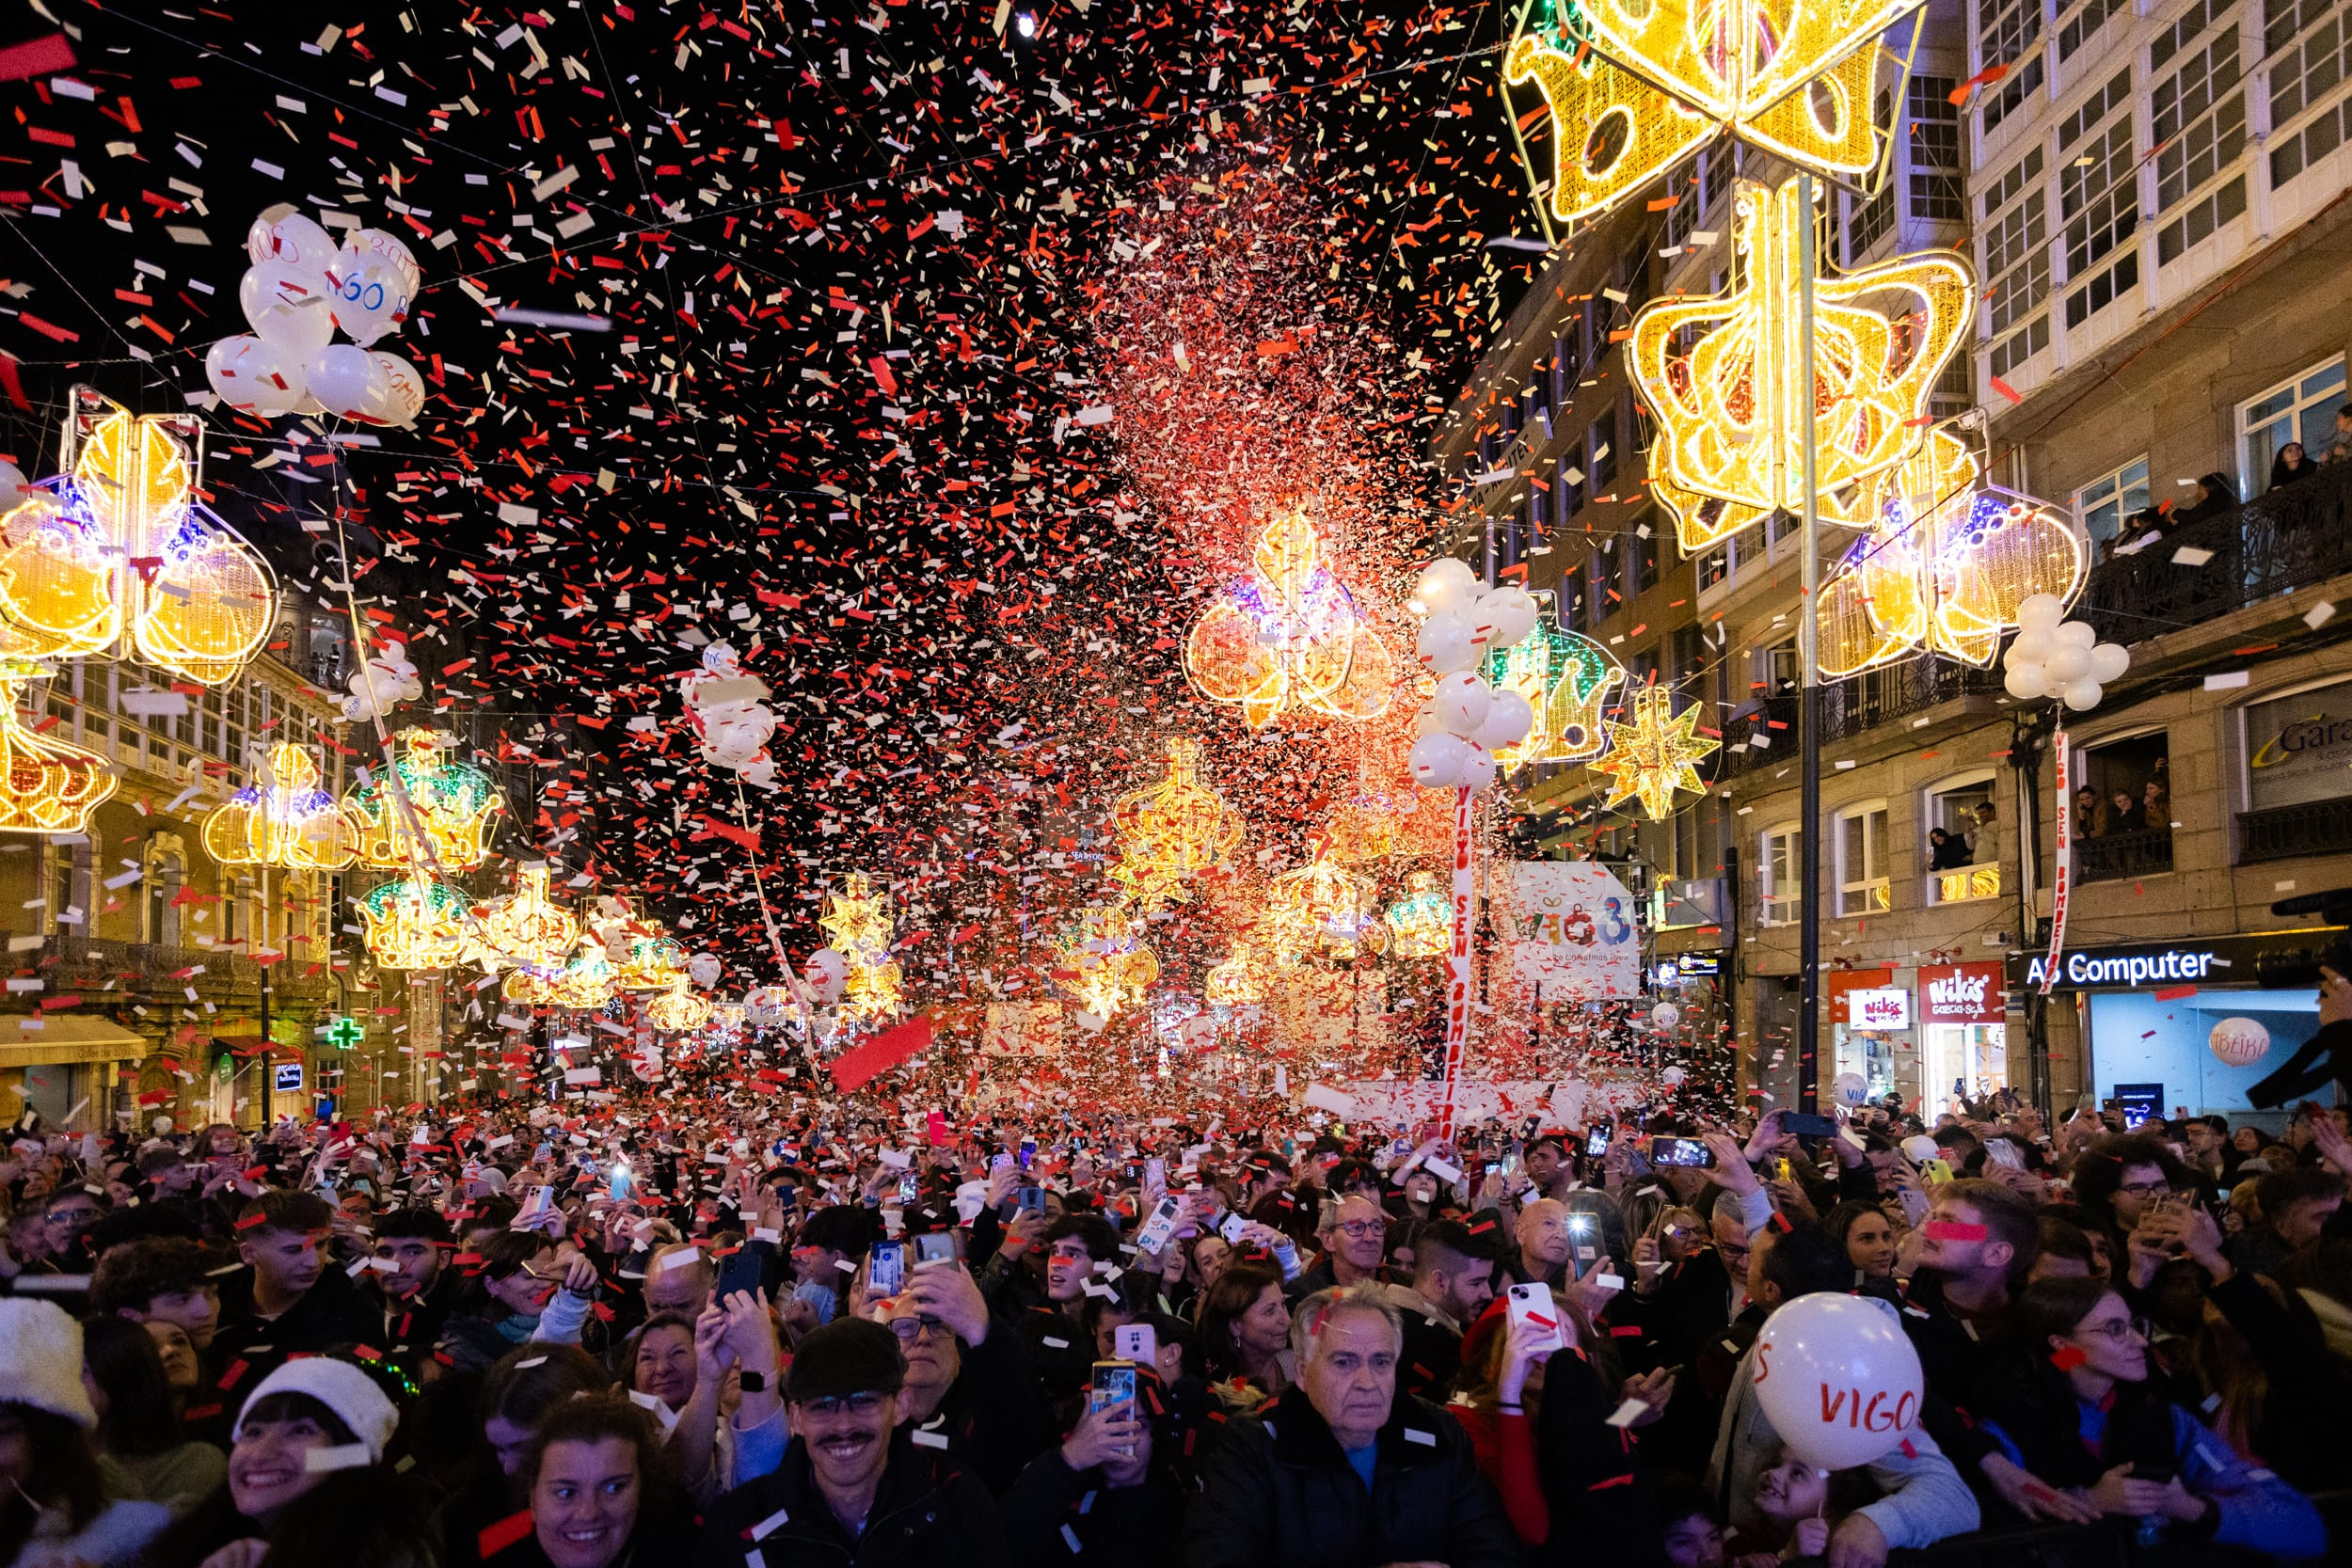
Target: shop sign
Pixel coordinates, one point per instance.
(2167, 966)
(1887, 1008)
(286, 1078)
(1961, 994)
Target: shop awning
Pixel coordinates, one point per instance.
(66, 1041)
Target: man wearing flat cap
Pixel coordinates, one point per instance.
(851, 1485)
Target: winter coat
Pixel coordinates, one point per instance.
(1056, 1514)
(928, 1512)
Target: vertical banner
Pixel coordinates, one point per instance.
(2062, 859)
(1457, 963)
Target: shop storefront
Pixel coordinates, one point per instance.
(1870, 1031)
(69, 1070)
(2174, 1025)
(1964, 1037)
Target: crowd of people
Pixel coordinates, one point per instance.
(756, 1326)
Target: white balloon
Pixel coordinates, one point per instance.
(1674, 1076)
(2077, 633)
(2108, 660)
(375, 284)
(403, 391)
(1444, 643)
(826, 972)
(1436, 760)
(1425, 721)
(2025, 682)
(1505, 616)
(1477, 770)
(1837, 1378)
(1461, 701)
(282, 234)
(1509, 717)
(1446, 586)
(347, 381)
(2067, 663)
(11, 484)
(2083, 695)
(289, 307)
(2239, 1041)
(1851, 1088)
(2033, 646)
(255, 376)
(2041, 611)
(703, 969)
(1666, 1016)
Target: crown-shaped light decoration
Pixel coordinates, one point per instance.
(1567, 679)
(414, 923)
(1363, 828)
(1946, 568)
(1635, 86)
(1655, 754)
(526, 926)
(1322, 906)
(1240, 981)
(679, 1009)
(282, 819)
(1102, 967)
(655, 962)
(1421, 923)
(584, 983)
(1732, 416)
(1289, 637)
(1166, 831)
(46, 786)
(453, 801)
(117, 556)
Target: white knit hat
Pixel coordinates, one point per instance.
(40, 1361)
(341, 1387)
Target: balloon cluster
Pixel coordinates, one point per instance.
(300, 288)
(1465, 721)
(382, 684)
(731, 721)
(2053, 656)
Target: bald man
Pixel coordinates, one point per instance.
(1544, 1243)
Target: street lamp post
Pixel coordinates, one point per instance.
(1809, 676)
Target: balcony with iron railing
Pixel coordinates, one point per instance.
(2284, 832)
(1909, 690)
(2117, 856)
(137, 970)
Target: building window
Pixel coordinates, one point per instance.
(2206, 215)
(1937, 193)
(164, 877)
(1779, 874)
(2123, 809)
(1641, 564)
(2079, 29)
(2005, 28)
(1867, 222)
(1604, 445)
(2198, 131)
(2019, 346)
(2014, 89)
(2292, 154)
(2295, 749)
(2300, 409)
(1965, 863)
(1862, 884)
(2303, 78)
(2184, 31)
(2097, 199)
(2015, 251)
(2102, 505)
(2104, 290)
(63, 892)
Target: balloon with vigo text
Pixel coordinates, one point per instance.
(1837, 1378)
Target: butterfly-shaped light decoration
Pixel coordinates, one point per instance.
(679, 1009)
(1654, 754)
(284, 819)
(1289, 637)
(526, 926)
(454, 803)
(1567, 679)
(1732, 415)
(1945, 568)
(414, 923)
(1166, 831)
(1421, 920)
(1102, 967)
(1635, 86)
(46, 786)
(118, 555)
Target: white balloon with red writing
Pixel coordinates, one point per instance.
(826, 972)
(404, 394)
(282, 234)
(375, 285)
(253, 375)
(704, 970)
(2239, 1041)
(1837, 1378)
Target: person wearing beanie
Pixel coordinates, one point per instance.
(851, 1485)
(54, 1511)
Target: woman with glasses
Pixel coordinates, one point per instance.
(2081, 1432)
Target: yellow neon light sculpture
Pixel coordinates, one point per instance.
(1290, 637)
(46, 786)
(857, 919)
(1733, 418)
(455, 801)
(679, 1009)
(1944, 569)
(872, 992)
(1655, 755)
(583, 984)
(1321, 906)
(1240, 981)
(1104, 968)
(119, 556)
(655, 962)
(414, 923)
(283, 819)
(526, 926)
(1169, 831)
(1567, 678)
(1421, 922)
(1364, 827)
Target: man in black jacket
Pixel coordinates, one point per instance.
(853, 1489)
(971, 1388)
(1341, 1471)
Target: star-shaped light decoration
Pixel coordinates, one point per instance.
(1103, 966)
(871, 991)
(856, 918)
(1422, 920)
(1290, 637)
(1655, 754)
(1166, 831)
(1732, 416)
(455, 801)
(1567, 678)
(282, 819)
(1944, 569)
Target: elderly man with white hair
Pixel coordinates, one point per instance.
(1342, 1469)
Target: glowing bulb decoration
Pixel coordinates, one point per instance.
(859, 923)
(1421, 923)
(117, 556)
(455, 802)
(1168, 831)
(283, 819)
(1654, 755)
(414, 923)
(1567, 678)
(526, 926)
(1290, 637)
(46, 786)
(679, 1009)
(1733, 419)
(1102, 967)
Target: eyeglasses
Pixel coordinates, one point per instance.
(2143, 1189)
(2116, 1329)
(915, 1327)
(833, 1404)
(1360, 1229)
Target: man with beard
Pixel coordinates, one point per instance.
(1975, 1250)
(970, 1389)
(1453, 1279)
(853, 1487)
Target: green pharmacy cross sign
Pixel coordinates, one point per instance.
(345, 1032)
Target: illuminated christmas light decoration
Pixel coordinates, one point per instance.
(655, 961)
(1240, 981)
(583, 984)
(117, 556)
(855, 918)
(1289, 637)
(46, 786)
(1655, 754)
(871, 991)
(1635, 87)
(283, 819)
(526, 926)
(1324, 908)
(414, 923)
(1102, 967)
(679, 1009)
(1364, 827)
(1945, 572)
(1732, 419)
(1567, 679)
(1421, 922)
(1169, 831)
(453, 801)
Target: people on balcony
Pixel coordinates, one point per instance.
(2090, 813)
(1948, 852)
(2291, 464)
(2340, 447)
(2123, 813)
(2210, 497)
